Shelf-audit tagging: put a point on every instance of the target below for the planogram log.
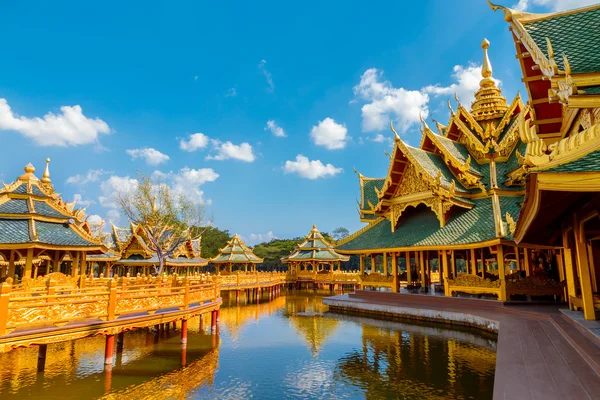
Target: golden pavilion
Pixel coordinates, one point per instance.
(502, 199)
(128, 252)
(39, 232)
(236, 253)
(314, 253)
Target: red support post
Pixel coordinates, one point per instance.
(109, 350)
(184, 331)
(213, 321)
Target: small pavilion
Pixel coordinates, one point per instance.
(314, 254)
(39, 232)
(236, 253)
(129, 253)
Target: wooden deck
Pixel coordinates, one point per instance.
(541, 353)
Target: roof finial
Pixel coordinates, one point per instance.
(393, 130)
(154, 204)
(486, 68)
(46, 176)
(314, 227)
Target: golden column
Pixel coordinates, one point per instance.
(501, 273)
(583, 268)
(395, 280)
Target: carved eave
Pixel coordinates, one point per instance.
(548, 87)
(506, 146)
(401, 159)
(461, 170)
(458, 131)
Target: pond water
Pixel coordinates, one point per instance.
(291, 347)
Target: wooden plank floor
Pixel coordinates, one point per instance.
(540, 355)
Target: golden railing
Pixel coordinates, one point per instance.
(57, 306)
(250, 279)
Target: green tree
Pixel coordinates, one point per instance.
(213, 239)
(273, 251)
(340, 233)
(165, 217)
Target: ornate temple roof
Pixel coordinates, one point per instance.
(314, 248)
(369, 188)
(434, 195)
(33, 215)
(128, 246)
(559, 55)
(236, 252)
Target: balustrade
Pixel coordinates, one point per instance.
(55, 305)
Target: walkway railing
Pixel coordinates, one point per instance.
(55, 305)
(248, 280)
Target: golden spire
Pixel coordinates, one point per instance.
(154, 204)
(486, 68)
(489, 103)
(46, 177)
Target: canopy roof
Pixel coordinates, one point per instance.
(458, 187)
(33, 215)
(236, 252)
(314, 248)
(128, 246)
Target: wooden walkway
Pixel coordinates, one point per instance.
(541, 354)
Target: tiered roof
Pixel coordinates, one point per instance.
(314, 248)
(128, 246)
(455, 188)
(33, 215)
(236, 252)
(559, 55)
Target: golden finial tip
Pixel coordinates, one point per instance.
(314, 227)
(48, 159)
(29, 168)
(485, 44)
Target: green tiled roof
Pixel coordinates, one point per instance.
(236, 251)
(14, 231)
(422, 228)
(21, 189)
(14, 206)
(43, 208)
(576, 34)
(36, 191)
(59, 234)
(368, 192)
(314, 248)
(137, 259)
(513, 162)
(123, 234)
(433, 163)
(459, 151)
(591, 90)
(588, 163)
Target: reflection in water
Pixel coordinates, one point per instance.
(290, 347)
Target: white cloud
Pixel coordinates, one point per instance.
(150, 155)
(231, 92)
(194, 142)
(330, 134)
(69, 128)
(185, 182)
(275, 129)
(92, 176)
(268, 76)
(256, 238)
(81, 202)
(310, 169)
(467, 82)
(379, 138)
(94, 218)
(228, 150)
(386, 102)
(554, 5)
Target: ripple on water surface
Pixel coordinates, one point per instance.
(290, 347)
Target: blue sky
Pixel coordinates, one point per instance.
(188, 90)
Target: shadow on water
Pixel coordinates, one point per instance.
(290, 347)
